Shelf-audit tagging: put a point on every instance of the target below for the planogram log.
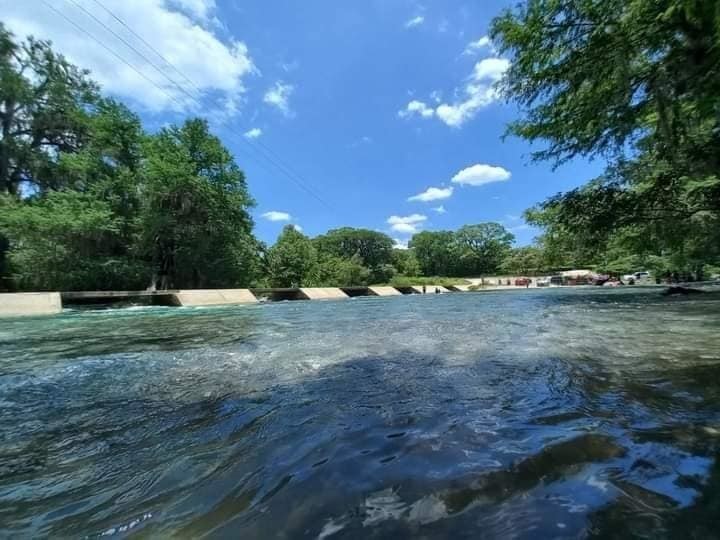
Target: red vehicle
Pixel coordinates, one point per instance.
(522, 282)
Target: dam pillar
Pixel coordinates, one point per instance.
(323, 293)
(29, 304)
(214, 297)
(384, 291)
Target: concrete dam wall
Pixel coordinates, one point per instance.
(36, 304)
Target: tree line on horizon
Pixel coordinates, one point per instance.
(90, 200)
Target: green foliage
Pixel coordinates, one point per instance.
(483, 247)
(405, 262)
(338, 272)
(435, 252)
(523, 261)
(293, 260)
(64, 241)
(472, 250)
(91, 201)
(638, 83)
(194, 222)
(373, 248)
(44, 107)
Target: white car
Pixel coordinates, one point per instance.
(637, 277)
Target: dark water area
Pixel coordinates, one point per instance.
(528, 414)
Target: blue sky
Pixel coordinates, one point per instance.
(366, 104)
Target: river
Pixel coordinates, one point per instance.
(523, 414)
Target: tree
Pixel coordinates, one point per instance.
(522, 261)
(638, 83)
(374, 248)
(194, 221)
(293, 260)
(435, 252)
(406, 263)
(334, 271)
(82, 237)
(483, 247)
(59, 242)
(44, 107)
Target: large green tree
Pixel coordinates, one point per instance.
(194, 222)
(61, 242)
(482, 247)
(635, 82)
(435, 252)
(522, 261)
(44, 106)
(293, 260)
(373, 248)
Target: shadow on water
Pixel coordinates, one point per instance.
(98, 333)
(400, 446)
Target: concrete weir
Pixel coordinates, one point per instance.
(29, 304)
(459, 288)
(384, 291)
(324, 293)
(214, 297)
(429, 289)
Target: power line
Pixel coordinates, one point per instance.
(264, 152)
(138, 36)
(131, 47)
(81, 29)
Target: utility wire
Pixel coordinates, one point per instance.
(131, 47)
(144, 42)
(262, 150)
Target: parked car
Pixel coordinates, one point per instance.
(543, 282)
(632, 279)
(600, 279)
(556, 280)
(522, 282)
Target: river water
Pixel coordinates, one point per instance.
(523, 414)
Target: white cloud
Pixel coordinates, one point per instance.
(433, 194)
(254, 133)
(406, 228)
(491, 69)
(440, 209)
(274, 215)
(481, 174)
(176, 30)
(418, 108)
(415, 21)
(476, 46)
(400, 244)
(199, 9)
(436, 96)
(279, 96)
(407, 224)
(479, 92)
(298, 228)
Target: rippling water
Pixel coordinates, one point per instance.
(529, 414)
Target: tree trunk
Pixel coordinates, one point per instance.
(5, 183)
